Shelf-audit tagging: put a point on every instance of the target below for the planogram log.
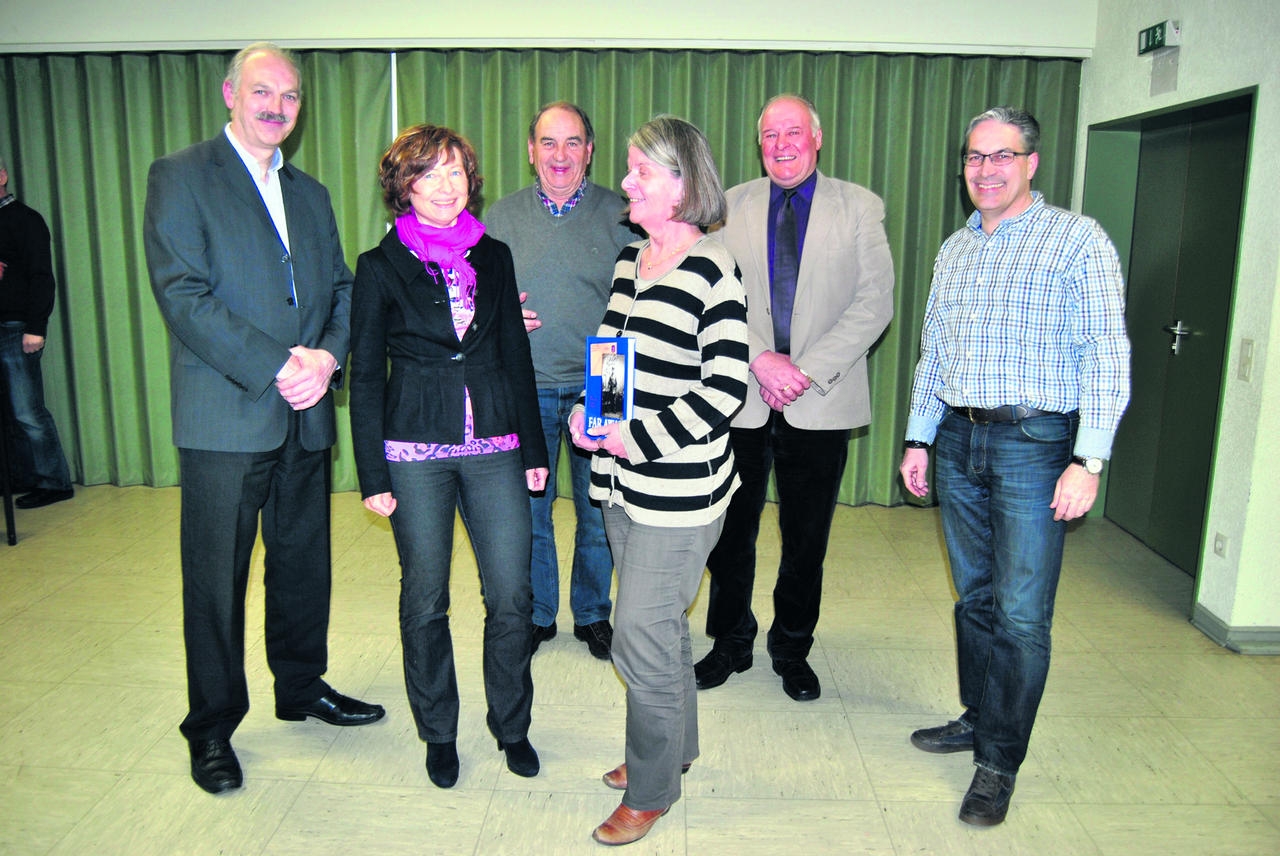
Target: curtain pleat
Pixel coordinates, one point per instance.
(81, 129)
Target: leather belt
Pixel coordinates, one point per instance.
(1004, 413)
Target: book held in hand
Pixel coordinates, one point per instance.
(611, 362)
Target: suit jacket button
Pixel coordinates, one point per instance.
(457, 358)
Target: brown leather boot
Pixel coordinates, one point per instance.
(617, 777)
(626, 824)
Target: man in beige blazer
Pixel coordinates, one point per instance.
(819, 277)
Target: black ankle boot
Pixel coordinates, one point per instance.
(522, 759)
(442, 764)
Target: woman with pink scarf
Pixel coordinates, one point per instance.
(454, 424)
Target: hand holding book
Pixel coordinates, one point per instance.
(608, 437)
(610, 364)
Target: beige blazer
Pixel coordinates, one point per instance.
(843, 302)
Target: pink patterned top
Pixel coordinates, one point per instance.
(463, 310)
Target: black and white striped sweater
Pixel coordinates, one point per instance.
(690, 331)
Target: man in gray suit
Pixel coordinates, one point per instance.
(815, 262)
(248, 271)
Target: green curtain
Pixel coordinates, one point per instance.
(80, 130)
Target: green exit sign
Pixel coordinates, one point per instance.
(1166, 34)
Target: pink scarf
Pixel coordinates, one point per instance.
(446, 247)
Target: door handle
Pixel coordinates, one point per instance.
(1177, 330)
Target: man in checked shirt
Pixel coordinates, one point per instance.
(1023, 376)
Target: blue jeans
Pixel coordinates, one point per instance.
(490, 491)
(37, 460)
(995, 483)
(592, 562)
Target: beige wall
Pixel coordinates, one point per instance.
(1227, 45)
(1035, 27)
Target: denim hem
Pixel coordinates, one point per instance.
(991, 768)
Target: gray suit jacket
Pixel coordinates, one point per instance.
(843, 302)
(221, 276)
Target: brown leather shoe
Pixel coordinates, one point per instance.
(617, 777)
(626, 825)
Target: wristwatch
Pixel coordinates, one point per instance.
(1092, 466)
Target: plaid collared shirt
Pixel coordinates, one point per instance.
(568, 203)
(1032, 314)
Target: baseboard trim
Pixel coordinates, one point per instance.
(1242, 640)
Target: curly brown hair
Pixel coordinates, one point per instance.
(414, 152)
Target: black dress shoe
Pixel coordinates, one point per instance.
(442, 764)
(214, 766)
(542, 634)
(522, 759)
(334, 708)
(987, 801)
(955, 736)
(715, 668)
(798, 680)
(41, 497)
(599, 638)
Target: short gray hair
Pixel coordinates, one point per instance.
(236, 68)
(588, 132)
(1026, 124)
(815, 123)
(681, 149)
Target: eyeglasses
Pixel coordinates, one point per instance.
(1004, 157)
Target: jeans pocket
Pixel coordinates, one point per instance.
(1055, 428)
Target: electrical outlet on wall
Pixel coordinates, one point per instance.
(1244, 369)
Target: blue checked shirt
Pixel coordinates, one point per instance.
(569, 203)
(1032, 314)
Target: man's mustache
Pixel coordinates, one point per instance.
(268, 116)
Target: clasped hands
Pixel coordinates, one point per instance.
(304, 378)
(781, 381)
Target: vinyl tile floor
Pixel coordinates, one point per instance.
(1151, 739)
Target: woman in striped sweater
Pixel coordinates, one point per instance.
(664, 476)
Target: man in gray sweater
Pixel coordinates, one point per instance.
(565, 234)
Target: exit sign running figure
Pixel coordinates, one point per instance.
(1166, 34)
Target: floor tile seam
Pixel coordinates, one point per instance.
(1188, 746)
(74, 622)
(563, 706)
(1210, 759)
(691, 798)
(365, 784)
(121, 777)
(871, 780)
(123, 548)
(133, 622)
(113, 770)
(1170, 804)
(885, 645)
(830, 600)
(1120, 660)
(484, 820)
(286, 809)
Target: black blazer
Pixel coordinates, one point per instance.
(401, 312)
(221, 276)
